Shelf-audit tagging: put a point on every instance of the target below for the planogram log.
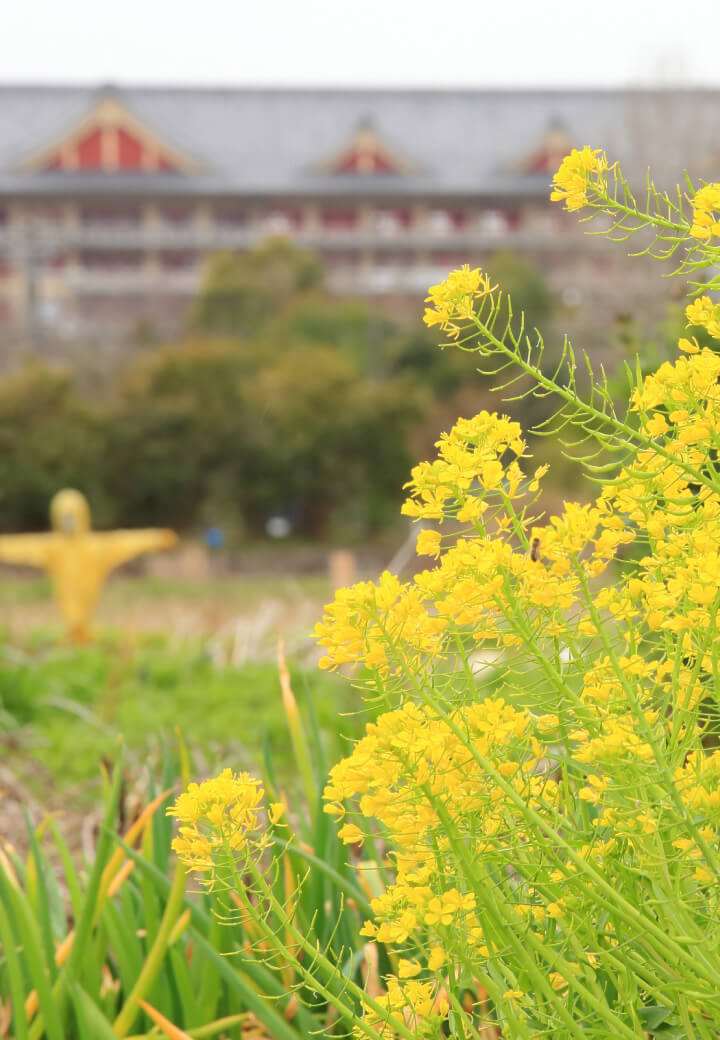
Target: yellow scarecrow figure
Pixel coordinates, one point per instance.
(78, 559)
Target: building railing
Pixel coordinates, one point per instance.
(382, 281)
(16, 243)
(140, 281)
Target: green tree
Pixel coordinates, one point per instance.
(175, 421)
(351, 326)
(325, 440)
(49, 438)
(296, 431)
(521, 281)
(242, 291)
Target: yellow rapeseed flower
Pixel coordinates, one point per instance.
(657, 425)
(706, 207)
(408, 969)
(429, 543)
(705, 313)
(350, 834)
(703, 874)
(558, 981)
(275, 812)
(437, 958)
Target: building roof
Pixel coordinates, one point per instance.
(245, 141)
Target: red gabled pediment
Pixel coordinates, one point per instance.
(130, 155)
(549, 151)
(89, 150)
(365, 154)
(107, 140)
(371, 160)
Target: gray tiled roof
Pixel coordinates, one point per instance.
(455, 141)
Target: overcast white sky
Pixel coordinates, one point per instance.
(361, 42)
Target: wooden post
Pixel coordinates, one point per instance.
(342, 567)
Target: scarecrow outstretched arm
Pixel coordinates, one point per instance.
(119, 547)
(33, 550)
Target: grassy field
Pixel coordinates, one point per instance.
(177, 608)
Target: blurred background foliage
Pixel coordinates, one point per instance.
(280, 401)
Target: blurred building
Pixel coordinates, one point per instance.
(111, 199)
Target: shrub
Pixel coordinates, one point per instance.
(553, 834)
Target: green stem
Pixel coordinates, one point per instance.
(317, 957)
(626, 910)
(340, 882)
(631, 435)
(658, 752)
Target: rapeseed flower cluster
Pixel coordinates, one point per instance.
(454, 300)
(461, 790)
(482, 578)
(219, 820)
(419, 1005)
(470, 455)
(580, 172)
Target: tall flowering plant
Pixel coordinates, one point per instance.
(552, 831)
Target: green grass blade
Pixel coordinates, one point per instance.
(298, 737)
(49, 1004)
(37, 895)
(162, 824)
(192, 1014)
(55, 888)
(268, 774)
(102, 854)
(213, 1028)
(14, 976)
(316, 743)
(151, 909)
(210, 985)
(240, 983)
(153, 961)
(93, 1023)
(250, 983)
(124, 942)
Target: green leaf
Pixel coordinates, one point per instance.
(124, 942)
(654, 1015)
(14, 975)
(71, 877)
(257, 986)
(156, 953)
(37, 895)
(91, 1021)
(102, 854)
(191, 1014)
(50, 1005)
